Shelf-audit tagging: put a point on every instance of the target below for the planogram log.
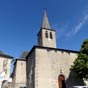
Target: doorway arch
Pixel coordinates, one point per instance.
(61, 81)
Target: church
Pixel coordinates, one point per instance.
(45, 65)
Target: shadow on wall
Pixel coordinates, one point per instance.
(72, 81)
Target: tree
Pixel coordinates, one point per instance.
(80, 65)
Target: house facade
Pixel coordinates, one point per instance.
(5, 67)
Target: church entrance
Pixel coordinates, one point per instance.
(61, 81)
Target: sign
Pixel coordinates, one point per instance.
(2, 76)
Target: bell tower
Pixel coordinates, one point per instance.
(46, 35)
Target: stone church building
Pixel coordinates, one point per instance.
(45, 66)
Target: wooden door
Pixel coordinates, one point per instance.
(61, 81)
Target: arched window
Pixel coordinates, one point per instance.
(46, 34)
(61, 81)
(51, 35)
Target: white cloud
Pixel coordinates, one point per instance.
(78, 26)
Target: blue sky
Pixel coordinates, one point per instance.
(20, 21)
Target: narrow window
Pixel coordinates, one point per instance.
(46, 34)
(51, 35)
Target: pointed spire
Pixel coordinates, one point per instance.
(45, 22)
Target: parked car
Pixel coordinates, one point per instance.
(80, 87)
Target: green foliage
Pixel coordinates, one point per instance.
(80, 65)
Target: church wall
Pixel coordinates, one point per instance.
(20, 74)
(30, 70)
(42, 69)
(49, 62)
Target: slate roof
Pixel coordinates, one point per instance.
(5, 55)
(45, 22)
(24, 54)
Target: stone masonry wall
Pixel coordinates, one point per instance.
(48, 65)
